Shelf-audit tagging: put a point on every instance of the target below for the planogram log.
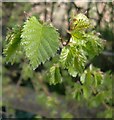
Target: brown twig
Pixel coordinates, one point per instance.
(88, 9)
(100, 14)
(68, 13)
(45, 11)
(52, 10)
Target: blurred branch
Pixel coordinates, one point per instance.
(52, 10)
(100, 14)
(23, 99)
(45, 11)
(88, 8)
(106, 53)
(68, 18)
(76, 7)
(44, 87)
(26, 99)
(36, 4)
(40, 81)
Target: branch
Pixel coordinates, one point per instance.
(45, 11)
(52, 10)
(68, 12)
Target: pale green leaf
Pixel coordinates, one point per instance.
(55, 76)
(40, 41)
(94, 45)
(66, 57)
(80, 22)
(86, 92)
(83, 78)
(72, 71)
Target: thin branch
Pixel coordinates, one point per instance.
(52, 10)
(76, 7)
(68, 13)
(44, 87)
(88, 9)
(35, 4)
(100, 14)
(45, 11)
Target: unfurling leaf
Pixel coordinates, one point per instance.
(80, 22)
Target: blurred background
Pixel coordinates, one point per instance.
(27, 93)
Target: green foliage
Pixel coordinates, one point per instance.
(80, 22)
(83, 46)
(40, 41)
(12, 49)
(55, 76)
(73, 59)
(94, 45)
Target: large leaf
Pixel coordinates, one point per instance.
(12, 49)
(40, 41)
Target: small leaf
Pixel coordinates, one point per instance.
(66, 57)
(83, 78)
(86, 92)
(12, 49)
(55, 76)
(72, 71)
(94, 45)
(80, 22)
(77, 35)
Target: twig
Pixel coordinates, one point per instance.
(76, 7)
(52, 10)
(19, 82)
(107, 106)
(45, 12)
(68, 12)
(100, 14)
(88, 8)
(36, 4)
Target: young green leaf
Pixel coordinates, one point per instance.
(12, 49)
(86, 92)
(83, 78)
(55, 76)
(94, 45)
(72, 71)
(66, 57)
(80, 22)
(40, 41)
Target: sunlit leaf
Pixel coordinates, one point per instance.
(40, 41)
